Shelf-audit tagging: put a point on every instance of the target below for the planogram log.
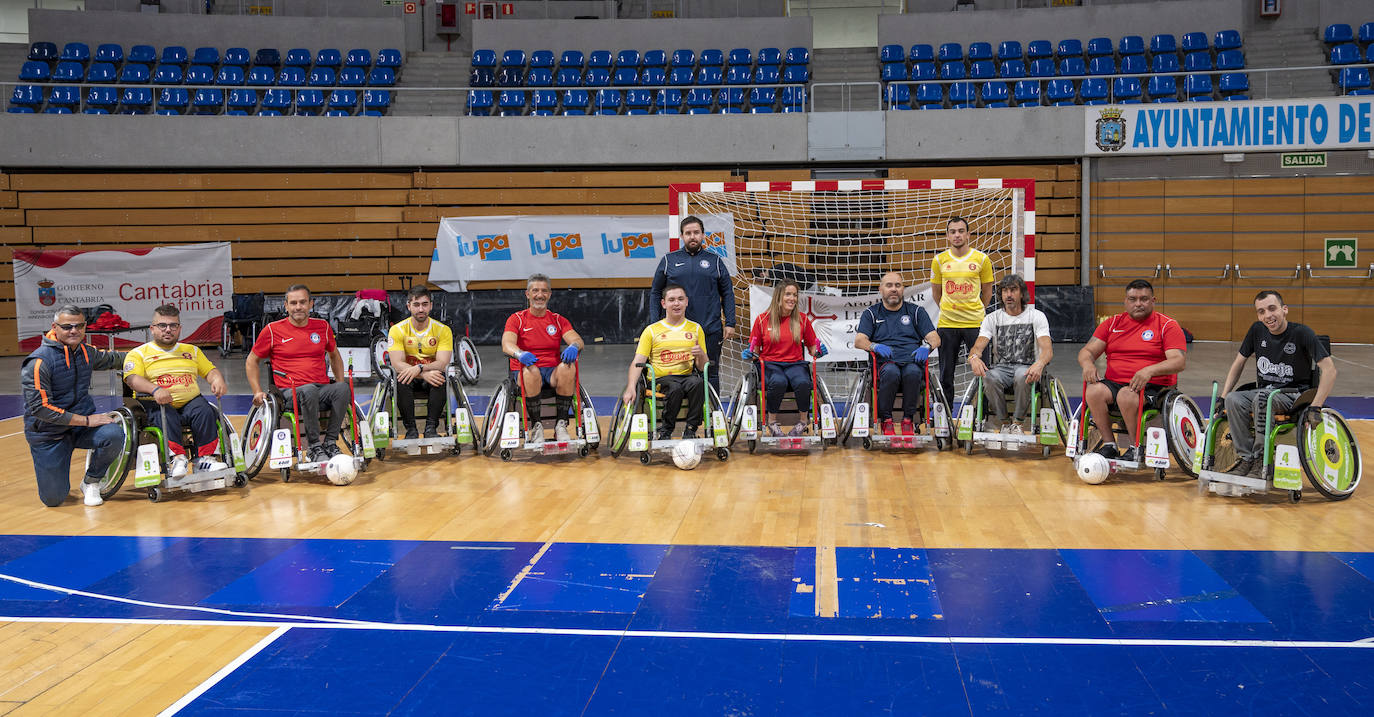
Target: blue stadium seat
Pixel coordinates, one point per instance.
(981, 70)
(352, 77)
(26, 110)
(600, 58)
(199, 75)
(279, 100)
(266, 57)
(1197, 61)
(328, 113)
(1039, 49)
(1164, 63)
(175, 55)
(167, 75)
(761, 110)
(43, 52)
(95, 111)
(301, 57)
(653, 76)
(681, 76)
(1072, 67)
(513, 58)
(668, 101)
(953, 71)
(899, 97)
(265, 113)
(75, 52)
(1335, 33)
(1230, 60)
(242, 99)
(482, 77)
(539, 77)
(480, 58)
(568, 77)
(109, 52)
(699, 98)
(205, 56)
(1131, 45)
(1194, 42)
(572, 60)
(136, 101)
(711, 58)
(172, 99)
(229, 76)
(134, 74)
(207, 101)
(358, 57)
(1126, 88)
(1134, 65)
(1070, 48)
(951, 52)
(1351, 81)
(768, 56)
(738, 75)
(328, 57)
(237, 56)
(543, 102)
(1102, 65)
(1060, 92)
(1012, 69)
(344, 100)
(994, 94)
(67, 96)
(1042, 67)
(1162, 43)
(1201, 98)
(741, 56)
(69, 71)
(382, 76)
(797, 56)
(376, 100)
(480, 103)
(34, 71)
(311, 102)
(979, 51)
(766, 97)
(1369, 54)
(542, 59)
(1100, 47)
(627, 58)
(709, 75)
(767, 75)
(1161, 86)
(638, 102)
(322, 77)
(511, 103)
(1009, 50)
(730, 97)
(510, 77)
(792, 99)
(922, 53)
(1233, 82)
(892, 53)
(930, 94)
(625, 77)
(1093, 91)
(390, 57)
(894, 72)
(684, 58)
(102, 72)
(924, 71)
(655, 58)
(597, 77)
(27, 96)
(1346, 54)
(291, 77)
(1227, 40)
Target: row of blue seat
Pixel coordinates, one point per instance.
(227, 75)
(139, 100)
(1349, 54)
(739, 57)
(1067, 67)
(173, 112)
(759, 100)
(235, 56)
(1129, 46)
(1341, 32)
(1345, 51)
(649, 76)
(1064, 92)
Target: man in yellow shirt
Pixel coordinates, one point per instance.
(162, 374)
(675, 347)
(961, 283)
(420, 351)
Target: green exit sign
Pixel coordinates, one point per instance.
(1303, 159)
(1340, 252)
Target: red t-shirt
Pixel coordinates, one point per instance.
(785, 348)
(1133, 345)
(540, 335)
(299, 351)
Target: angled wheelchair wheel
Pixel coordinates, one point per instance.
(501, 401)
(937, 393)
(1223, 456)
(1184, 427)
(257, 435)
(744, 394)
(469, 362)
(621, 419)
(1329, 454)
(586, 400)
(459, 397)
(1063, 414)
(380, 368)
(114, 476)
(355, 442)
(858, 391)
(824, 399)
(713, 405)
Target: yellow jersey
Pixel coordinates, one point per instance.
(175, 369)
(961, 279)
(669, 348)
(420, 346)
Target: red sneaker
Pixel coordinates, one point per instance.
(887, 427)
(908, 428)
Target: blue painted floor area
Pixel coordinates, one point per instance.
(574, 628)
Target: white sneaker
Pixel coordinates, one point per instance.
(91, 492)
(178, 468)
(560, 431)
(536, 433)
(1015, 429)
(208, 463)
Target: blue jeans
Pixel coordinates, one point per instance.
(52, 458)
(781, 376)
(910, 376)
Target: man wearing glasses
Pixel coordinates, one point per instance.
(163, 375)
(59, 415)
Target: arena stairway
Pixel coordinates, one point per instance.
(845, 64)
(1287, 48)
(432, 69)
(12, 56)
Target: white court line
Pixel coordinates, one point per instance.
(7, 435)
(1356, 363)
(751, 636)
(224, 672)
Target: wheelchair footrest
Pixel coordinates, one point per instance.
(666, 445)
(1012, 440)
(919, 440)
(416, 446)
(550, 448)
(790, 443)
(1218, 479)
(201, 481)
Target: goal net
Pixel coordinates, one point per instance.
(837, 238)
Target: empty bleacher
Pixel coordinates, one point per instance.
(1350, 53)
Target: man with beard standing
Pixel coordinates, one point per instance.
(710, 295)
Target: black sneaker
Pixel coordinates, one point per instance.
(689, 432)
(1243, 467)
(1132, 455)
(431, 431)
(412, 434)
(664, 434)
(1108, 451)
(316, 454)
(331, 449)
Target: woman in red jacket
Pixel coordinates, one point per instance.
(778, 337)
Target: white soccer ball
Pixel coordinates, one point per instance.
(340, 470)
(1093, 468)
(686, 455)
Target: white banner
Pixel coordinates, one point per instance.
(198, 278)
(1268, 126)
(836, 318)
(564, 247)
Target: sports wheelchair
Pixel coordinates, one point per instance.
(459, 428)
(506, 422)
(1049, 417)
(635, 424)
(465, 357)
(859, 417)
(747, 413)
(268, 431)
(1181, 431)
(1326, 453)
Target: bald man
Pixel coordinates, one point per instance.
(892, 330)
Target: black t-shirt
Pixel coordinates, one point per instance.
(1285, 360)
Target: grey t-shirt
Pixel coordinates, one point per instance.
(1013, 337)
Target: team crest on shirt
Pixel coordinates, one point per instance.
(314, 338)
(1148, 335)
(433, 341)
(972, 267)
(128, 366)
(705, 264)
(1290, 348)
(689, 336)
(906, 320)
(550, 329)
(187, 355)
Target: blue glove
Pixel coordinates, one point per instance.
(921, 354)
(527, 359)
(746, 354)
(820, 351)
(569, 354)
(882, 351)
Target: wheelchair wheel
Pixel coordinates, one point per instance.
(937, 393)
(857, 392)
(743, 395)
(114, 476)
(1223, 457)
(1329, 454)
(1063, 414)
(586, 401)
(380, 367)
(620, 426)
(469, 362)
(460, 396)
(257, 435)
(1184, 428)
(824, 399)
(354, 442)
(501, 401)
